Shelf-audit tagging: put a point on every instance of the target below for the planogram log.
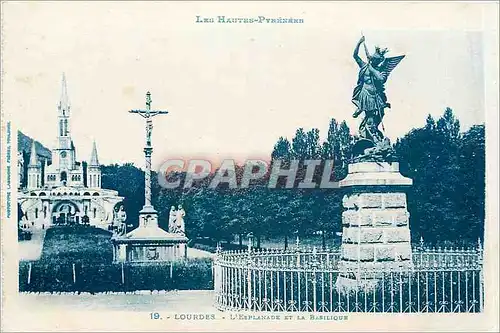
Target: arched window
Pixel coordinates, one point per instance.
(61, 133)
(95, 194)
(95, 212)
(98, 181)
(36, 213)
(86, 193)
(64, 176)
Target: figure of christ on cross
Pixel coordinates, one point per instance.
(148, 149)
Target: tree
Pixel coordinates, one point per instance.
(472, 183)
(299, 145)
(312, 147)
(447, 169)
(128, 180)
(282, 150)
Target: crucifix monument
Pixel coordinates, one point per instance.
(148, 214)
(148, 242)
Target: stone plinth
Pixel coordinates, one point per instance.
(376, 233)
(148, 242)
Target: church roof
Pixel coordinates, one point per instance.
(94, 160)
(33, 155)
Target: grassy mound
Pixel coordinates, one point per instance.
(77, 244)
(79, 259)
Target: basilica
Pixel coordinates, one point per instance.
(64, 191)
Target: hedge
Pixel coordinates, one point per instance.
(52, 276)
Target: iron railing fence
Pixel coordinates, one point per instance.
(440, 280)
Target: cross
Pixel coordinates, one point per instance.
(148, 114)
(148, 149)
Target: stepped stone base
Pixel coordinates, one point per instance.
(376, 233)
(148, 242)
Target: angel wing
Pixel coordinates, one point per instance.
(389, 64)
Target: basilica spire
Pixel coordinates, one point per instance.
(33, 156)
(94, 161)
(64, 130)
(64, 105)
(34, 169)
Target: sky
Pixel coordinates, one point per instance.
(231, 89)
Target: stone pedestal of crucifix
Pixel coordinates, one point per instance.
(148, 242)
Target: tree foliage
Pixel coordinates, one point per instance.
(448, 169)
(446, 201)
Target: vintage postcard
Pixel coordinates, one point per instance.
(249, 166)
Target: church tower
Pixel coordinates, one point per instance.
(34, 170)
(94, 170)
(65, 147)
(64, 108)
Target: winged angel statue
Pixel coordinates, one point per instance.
(370, 99)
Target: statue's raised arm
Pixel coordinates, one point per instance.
(369, 96)
(356, 56)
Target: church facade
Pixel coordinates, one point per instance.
(64, 192)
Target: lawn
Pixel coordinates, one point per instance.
(77, 244)
(79, 258)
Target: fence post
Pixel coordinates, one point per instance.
(29, 273)
(215, 273)
(74, 274)
(314, 281)
(481, 278)
(171, 269)
(249, 274)
(123, 275)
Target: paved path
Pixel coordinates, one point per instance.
(32, 249)
(176, 301)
